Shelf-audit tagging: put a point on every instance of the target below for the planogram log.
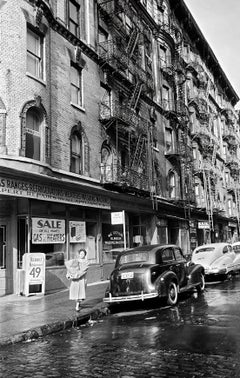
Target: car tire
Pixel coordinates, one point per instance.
(172, 293)
(201, 287)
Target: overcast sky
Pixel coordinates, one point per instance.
(219, 21)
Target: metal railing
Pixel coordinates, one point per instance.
(116, 174)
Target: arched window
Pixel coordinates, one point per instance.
(77, 155)
(35, 141)
(79, 151)
(33, 134)
(172, 185)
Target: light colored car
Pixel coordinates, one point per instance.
(218, 259)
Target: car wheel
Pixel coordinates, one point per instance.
(172, 294)
(201, 287)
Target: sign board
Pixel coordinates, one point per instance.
(203, 225)
(29, 189)
(48, 231)
(34, 267)
(77, 232)
(113, 234)
(117, 217)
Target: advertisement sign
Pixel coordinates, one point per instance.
(34, 267)
(113, 234)
(48, 231)
(203, 225)
(77, 232)
(117, 217)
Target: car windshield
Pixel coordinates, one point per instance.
(207, 249)
(133, 257)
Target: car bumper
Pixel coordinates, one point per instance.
(212, 271)
(130, 298)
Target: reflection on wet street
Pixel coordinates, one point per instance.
(200, 337)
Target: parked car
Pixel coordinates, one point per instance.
(236, 247)
(218, 259)
(153, 271)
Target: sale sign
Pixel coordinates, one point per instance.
(48, 231)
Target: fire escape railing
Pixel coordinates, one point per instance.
(130, 177)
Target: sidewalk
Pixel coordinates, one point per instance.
(25, 318)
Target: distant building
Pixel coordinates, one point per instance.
(109, 107)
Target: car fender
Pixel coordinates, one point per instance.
(163, 281)
(222, 262)
(194, 273)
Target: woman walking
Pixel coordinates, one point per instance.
(76, 272)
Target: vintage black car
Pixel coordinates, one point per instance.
(153, 271)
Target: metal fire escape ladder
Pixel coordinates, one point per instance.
(208, 198)
(132, 43)
(135, 96)
(138, 152)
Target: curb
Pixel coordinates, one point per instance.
(34, 333)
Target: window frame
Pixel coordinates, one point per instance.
(39, 58)
(70, 21)
(78, 87)
(77, 156)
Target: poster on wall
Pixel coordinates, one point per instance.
(77, 232)
(48, 231)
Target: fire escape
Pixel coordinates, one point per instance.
(176, 110)
(208, 143)
(120, 113)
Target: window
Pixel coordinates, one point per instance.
(76, 86)
(73, 17)
(172, 185)
(169, 140)
(229, 205)
(167, 255)
(76, 153)
(34, 54)
(2, 247)
(165, 98)
(33, 136)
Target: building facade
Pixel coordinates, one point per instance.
(110, 107)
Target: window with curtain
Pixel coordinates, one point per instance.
(35, 54)
(33, 134)
(76, 86)
(73, 17)
(76, 153)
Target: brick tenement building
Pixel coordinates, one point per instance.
(110, 106)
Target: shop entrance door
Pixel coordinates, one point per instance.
(3, 246)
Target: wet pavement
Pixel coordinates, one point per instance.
(200, 337)
(23, 318)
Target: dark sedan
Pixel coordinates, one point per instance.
(153, 271)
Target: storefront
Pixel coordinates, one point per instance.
(57, 218)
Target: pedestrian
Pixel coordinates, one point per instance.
(76, 272)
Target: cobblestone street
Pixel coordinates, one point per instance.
(198, 338)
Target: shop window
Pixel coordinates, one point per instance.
(22, 237)
(35, 64)
(73, 17)
(76, 86)
(33, 134)
(2, 246)
(76, 153)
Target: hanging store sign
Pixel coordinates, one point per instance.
(203, 225)
(27, 189)
(117, 217)
(113, 234)
(48, 231)
(77, 232)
